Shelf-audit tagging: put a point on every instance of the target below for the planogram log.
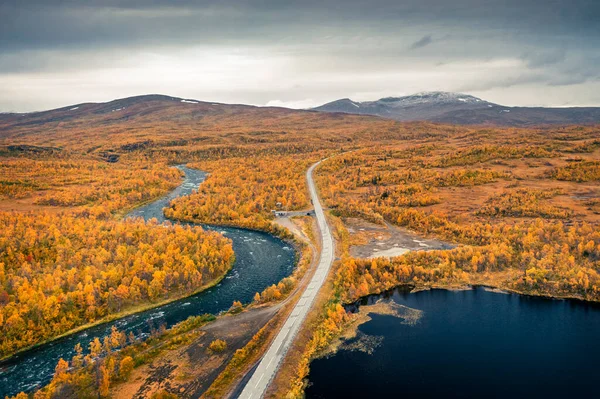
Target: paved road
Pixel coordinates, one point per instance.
(269, 364)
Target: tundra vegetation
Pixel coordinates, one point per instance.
(522, 215)
(521, 205)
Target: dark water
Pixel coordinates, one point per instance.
(471, 344)
(261, 260)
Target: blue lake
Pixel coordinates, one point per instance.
(470, 344)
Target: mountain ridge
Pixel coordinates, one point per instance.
(438, 107)
(459, 108)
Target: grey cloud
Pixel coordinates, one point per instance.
(422, 42)
(58, 23)
(543, 58)
(568, 80)
(503, 82)
(345, 46)
(554, 72)
(575, 76)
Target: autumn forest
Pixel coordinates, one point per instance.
(520, 208)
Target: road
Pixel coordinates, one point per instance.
(269, 365)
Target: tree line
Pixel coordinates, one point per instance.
(59, 271)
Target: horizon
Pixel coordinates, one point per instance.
(518, 53)
(277, 106)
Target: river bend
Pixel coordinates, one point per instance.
(260, 261)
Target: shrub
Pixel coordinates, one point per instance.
(218, 345)
(126, 367)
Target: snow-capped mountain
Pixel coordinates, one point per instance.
(420, 106)
(432, 97)
(464, 109)
(443, 107)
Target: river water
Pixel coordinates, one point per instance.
(260, 260)
(469, 344)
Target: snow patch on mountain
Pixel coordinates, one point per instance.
(431, 97)
(419, 106)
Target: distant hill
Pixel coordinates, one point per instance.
(174, 124)
(166, 115)
(457, 108)
(112, 111)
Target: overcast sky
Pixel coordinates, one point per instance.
(298, 53)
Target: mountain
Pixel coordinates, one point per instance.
(420, 106)
(132, 120)
(152, 111)
(106, 112)
(157, 121)
(148, 109)
(457, 108)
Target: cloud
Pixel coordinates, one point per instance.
(70, 23)
(504, 82)
(422, 42)
(542, 58)
(295, 104)
(55, 52)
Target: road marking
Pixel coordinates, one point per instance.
(259, 380)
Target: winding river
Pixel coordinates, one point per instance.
(261, 260)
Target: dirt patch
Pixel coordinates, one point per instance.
(299, 226)
(188, 371)
(372, 240)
